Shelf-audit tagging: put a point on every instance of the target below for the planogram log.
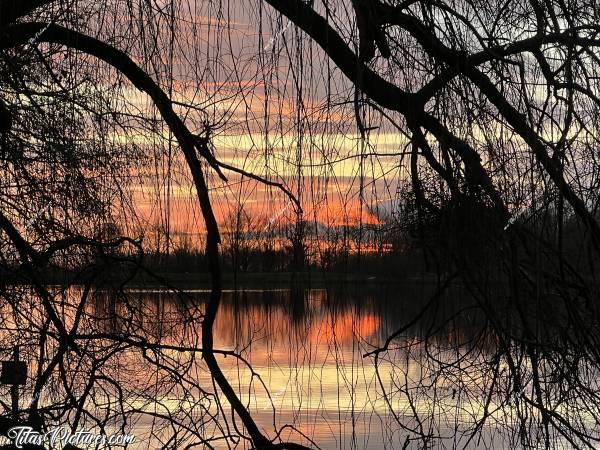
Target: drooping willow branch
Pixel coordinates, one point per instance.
(388, 95)
(20, 34)
(411, 105)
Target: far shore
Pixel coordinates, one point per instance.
(238, 280)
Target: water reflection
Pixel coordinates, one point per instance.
(308, 347)
(452, 378)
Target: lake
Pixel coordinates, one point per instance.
(305, 372)
(302, 361)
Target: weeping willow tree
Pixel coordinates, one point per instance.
(497, 102)
(479, 116)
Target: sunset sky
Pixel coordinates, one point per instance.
(279, 109)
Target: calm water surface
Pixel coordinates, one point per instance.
(308, 347)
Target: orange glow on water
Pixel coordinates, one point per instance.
(344, 328)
